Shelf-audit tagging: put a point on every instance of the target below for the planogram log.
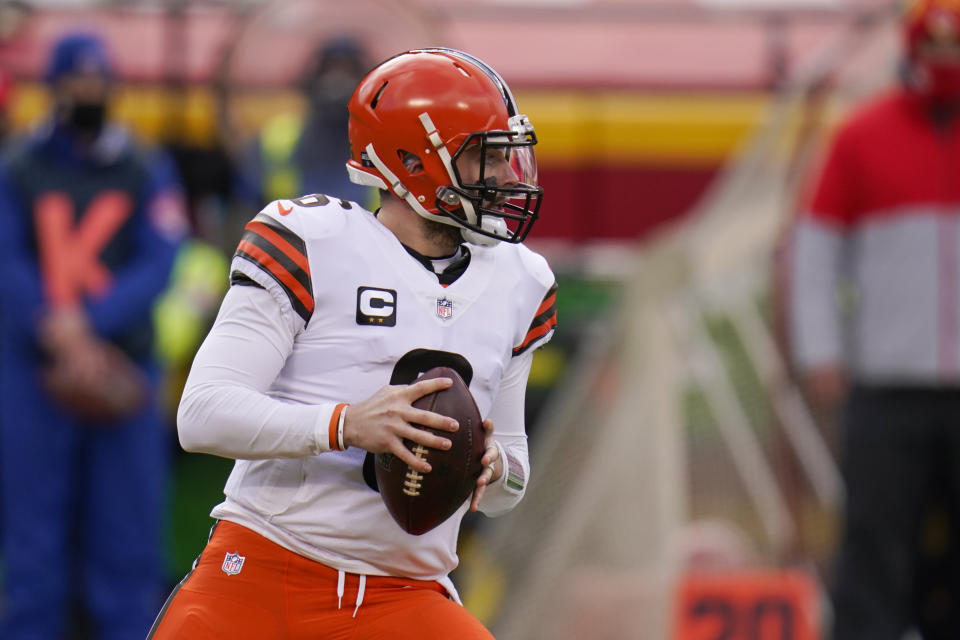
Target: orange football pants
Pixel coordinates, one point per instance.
(278, 594)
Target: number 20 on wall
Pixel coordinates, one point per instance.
(775, 605)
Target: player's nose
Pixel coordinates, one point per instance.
(506, 175)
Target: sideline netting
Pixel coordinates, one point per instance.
(678, 439)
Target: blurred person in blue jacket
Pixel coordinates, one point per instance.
(92, 220)
(300, 152)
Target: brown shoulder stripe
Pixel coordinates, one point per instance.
(543, 322)
(282, 255)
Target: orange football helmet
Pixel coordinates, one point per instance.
(932, 35)
(434, 104)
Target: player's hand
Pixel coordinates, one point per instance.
(74, 352)
(60, 329)
(380, 423)
(492, 466)
(82, 360)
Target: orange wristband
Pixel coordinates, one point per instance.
(335, 430)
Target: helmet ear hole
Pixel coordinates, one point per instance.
(411, 161)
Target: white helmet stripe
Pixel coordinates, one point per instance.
(391, 177)
(434, 136)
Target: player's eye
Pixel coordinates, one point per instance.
(496, 156)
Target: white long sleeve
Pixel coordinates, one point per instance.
(507, 414)
(225, 409)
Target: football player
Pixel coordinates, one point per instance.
(332, 313)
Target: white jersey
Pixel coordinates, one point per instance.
(342, 309)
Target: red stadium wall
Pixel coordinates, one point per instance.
(617, 163)
(616, 203)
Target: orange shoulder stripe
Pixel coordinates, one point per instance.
(289, 250)
(278, 271)
(547, 303)
(537, 332)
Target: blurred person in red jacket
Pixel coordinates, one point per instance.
(875, 321)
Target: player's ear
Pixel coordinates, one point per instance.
(411, 161)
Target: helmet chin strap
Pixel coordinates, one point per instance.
(395, 185)
(469, 212)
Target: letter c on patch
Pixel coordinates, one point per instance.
(376, 307)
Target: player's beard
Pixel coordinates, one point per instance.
(442, 235)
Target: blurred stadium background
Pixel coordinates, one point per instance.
(681, 487)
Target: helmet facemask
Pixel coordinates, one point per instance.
(483, 206)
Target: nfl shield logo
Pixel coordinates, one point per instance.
(444, 308)
(233, 563)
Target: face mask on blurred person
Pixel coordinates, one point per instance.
(82, 102)
(86, 118)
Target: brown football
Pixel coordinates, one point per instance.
(421, 501)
